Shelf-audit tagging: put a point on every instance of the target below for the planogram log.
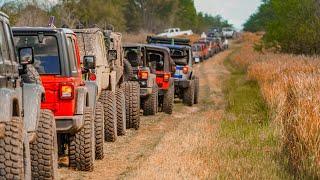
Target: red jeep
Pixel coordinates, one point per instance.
(163, 66)
(57, 60)
(204, 49)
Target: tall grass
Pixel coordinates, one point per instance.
(290, 85)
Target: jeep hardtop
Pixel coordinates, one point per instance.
(122, 68)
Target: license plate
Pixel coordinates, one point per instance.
(197, 59)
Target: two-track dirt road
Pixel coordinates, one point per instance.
(181, 145)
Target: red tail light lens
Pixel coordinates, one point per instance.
(66, 91)
(143, 75)
(166, 77)
(92, 77)
(185, 70)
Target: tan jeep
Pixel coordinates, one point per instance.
(122, 67)
(104, 61)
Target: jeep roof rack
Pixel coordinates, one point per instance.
(163, 40)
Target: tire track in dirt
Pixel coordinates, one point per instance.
(169, 146)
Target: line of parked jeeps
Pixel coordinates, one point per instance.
(207, 47)
(64, 92)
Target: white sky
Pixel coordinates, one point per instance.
(235, 11)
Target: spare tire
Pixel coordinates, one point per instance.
(128, 71)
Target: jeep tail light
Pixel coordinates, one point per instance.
(143, 75)
(66, 91)
(166, 77)
(92, 77)
(185, 69)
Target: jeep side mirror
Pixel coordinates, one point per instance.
(112, 55)
(26, 55)
(89, 62)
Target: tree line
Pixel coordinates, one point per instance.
(291, 26)
(123, 15)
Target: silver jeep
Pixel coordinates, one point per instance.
(28, 146)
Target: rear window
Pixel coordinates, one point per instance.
(72, 56)
(155, 60)
(46, 53)
(179, 56)
(196, 48)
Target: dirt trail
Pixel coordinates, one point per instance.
(178, 146)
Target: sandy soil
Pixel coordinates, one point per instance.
(179, 146)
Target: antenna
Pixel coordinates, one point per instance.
(51, 22)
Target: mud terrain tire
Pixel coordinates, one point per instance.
(121, 112)
(132, 93)
(81, 150)
(188, 94)
(128, 71)
(150, 104)
(168, 100)
(108, 99)
(44, 154)
(11, 148)
(99, 131)
(196, 90)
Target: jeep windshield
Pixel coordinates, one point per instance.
(179, 56)
(46, 53)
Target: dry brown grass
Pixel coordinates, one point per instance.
(290, 85)
(135, 38)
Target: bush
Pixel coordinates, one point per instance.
(291, 26)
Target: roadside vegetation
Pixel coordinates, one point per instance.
(132, 16)
(291, 26)
(250, 144)
(290, 86)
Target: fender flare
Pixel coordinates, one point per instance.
(10, 104)
(32, 97)
(92, 95)
(82, 99)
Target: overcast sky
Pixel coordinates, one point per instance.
(235, 11)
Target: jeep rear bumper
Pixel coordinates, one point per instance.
(69, 124)
(181, 83)
(145, 92)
